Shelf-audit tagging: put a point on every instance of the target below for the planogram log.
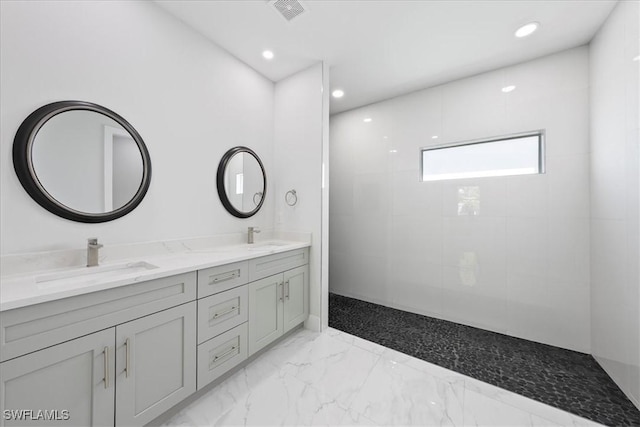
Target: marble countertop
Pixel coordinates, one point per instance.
(36, 287)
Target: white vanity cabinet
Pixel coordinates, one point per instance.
(77, 376)
(296, 297)
(141, 368)
(139, 364)
(125, 355)
(247, 306)
(155, 364)
(265, 316)
(222, 320)
(279, 302)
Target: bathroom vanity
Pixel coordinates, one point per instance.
(121, 343)
(125, 344)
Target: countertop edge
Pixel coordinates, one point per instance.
(181, 261)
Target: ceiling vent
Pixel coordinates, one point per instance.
(289, 9)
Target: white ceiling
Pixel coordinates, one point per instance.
(378, 49)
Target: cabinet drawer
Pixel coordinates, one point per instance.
(277, 263)
(31, 328)
(220, 354)
(221, 312)
(218, 279)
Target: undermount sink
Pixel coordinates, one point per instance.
(266, 246)
(91, 274)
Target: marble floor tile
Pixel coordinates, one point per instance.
(553, 416)
(336, 379)
(396, 394)
(333, 366)
(480, 410)
(283, 400)
(353, 418)
(421, 365)
(357, 341)
(212, 406)
(287, 349)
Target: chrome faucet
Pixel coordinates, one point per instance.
(252, 230)
(92, 251)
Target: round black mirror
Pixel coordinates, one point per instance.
(241, 182)
(81, 161)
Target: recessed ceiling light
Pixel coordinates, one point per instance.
(527, 29)
(393, 151)
(434, 137)
(267, 54)
(508, 89)
(367, 120)
(637, 58)
(338, 93)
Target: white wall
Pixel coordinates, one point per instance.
(615, 176)
(521, 266)
(299, 105)
(324, 271)
(189, 100)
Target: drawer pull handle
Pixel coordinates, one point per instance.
(228, 276)
(225, 354)
(282, 291)
(127, 366)
(215, 316)
(106, 367)
(286, 289)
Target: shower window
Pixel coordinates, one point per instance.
(520, 154)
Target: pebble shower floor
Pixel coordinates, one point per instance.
(565, 379)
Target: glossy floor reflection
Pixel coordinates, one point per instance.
(333, 378)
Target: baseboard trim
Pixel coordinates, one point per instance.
(313, 323)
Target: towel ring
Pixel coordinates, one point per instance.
(259, 194)
(291, 198)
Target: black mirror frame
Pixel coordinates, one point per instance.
(222, 193)
(23, 165)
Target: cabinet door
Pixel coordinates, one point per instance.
(76, 376)
(156, 364)
(265, 311)
(296, 297)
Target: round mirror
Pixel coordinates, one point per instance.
(242, 183)
(81, 161)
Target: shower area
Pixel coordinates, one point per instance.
(529, 282)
